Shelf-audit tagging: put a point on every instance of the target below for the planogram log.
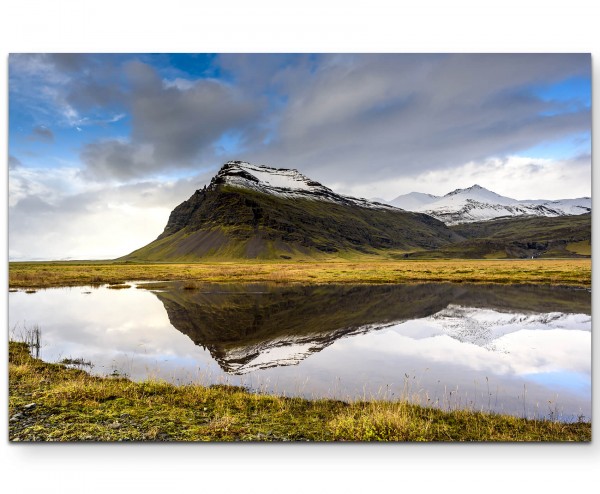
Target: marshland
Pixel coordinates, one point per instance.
(442, 350)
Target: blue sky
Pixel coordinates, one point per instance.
(120, 138)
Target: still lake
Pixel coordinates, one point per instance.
(522, 350)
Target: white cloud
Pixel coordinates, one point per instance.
(51, 184)
(519, 177)
(56, 214)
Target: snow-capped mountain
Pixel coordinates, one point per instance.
(479, 204)
(282, 182)
(413, 201)
(250, 211)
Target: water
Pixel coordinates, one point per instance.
(522, 350)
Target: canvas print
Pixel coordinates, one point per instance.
(299, 247)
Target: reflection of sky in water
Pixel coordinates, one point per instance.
(460, 356)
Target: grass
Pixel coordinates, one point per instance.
(51, 402)
(572, 272)
(583, 247)
(71, 405)
(529, 229)
(119, 286)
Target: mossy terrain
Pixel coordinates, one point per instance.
(51, 402)
(572, 272)
(541, 229)
(527, 237)
(222, 223)
(582, 247)
(232, 223)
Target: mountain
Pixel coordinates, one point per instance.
(256, 212)
(250, 211)
(413, 201)
(479, 204)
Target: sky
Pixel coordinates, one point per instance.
(103, 146)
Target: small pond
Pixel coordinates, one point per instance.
(522, 350)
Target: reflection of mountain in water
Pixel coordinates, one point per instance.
(255, 326)
(482, 326)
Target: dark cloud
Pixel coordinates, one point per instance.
(100, 84)
(90, 94)
(33, 205)
(263, 72)
(331, 116)
(172, 127)
(179, 123)
(116, 159)
(70, 62)
(13, 162)
(41, 133)
(394, 115)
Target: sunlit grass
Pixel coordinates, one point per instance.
(55, 403)
(583, 247)
(574, 272)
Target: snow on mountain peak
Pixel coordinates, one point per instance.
(476, 203)
(474, 188)
(481, 194)
(413, 200)
(242, 173)
(283, 182)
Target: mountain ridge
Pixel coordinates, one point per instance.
(257, 212)
(283, 182)
(476, 203)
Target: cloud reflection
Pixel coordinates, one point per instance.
(446, 354)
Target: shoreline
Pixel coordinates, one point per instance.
(51, 402)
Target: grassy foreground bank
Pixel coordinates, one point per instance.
(573, 272)
(50, 402)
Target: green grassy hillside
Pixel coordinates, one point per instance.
(222, 222)
(562, 236)
(230, 223)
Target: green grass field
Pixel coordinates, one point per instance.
(573, 272)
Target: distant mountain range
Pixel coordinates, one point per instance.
(479, 204)
(256, 212)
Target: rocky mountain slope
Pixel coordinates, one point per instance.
(479, 204)
(250, 211)
(257, 212)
